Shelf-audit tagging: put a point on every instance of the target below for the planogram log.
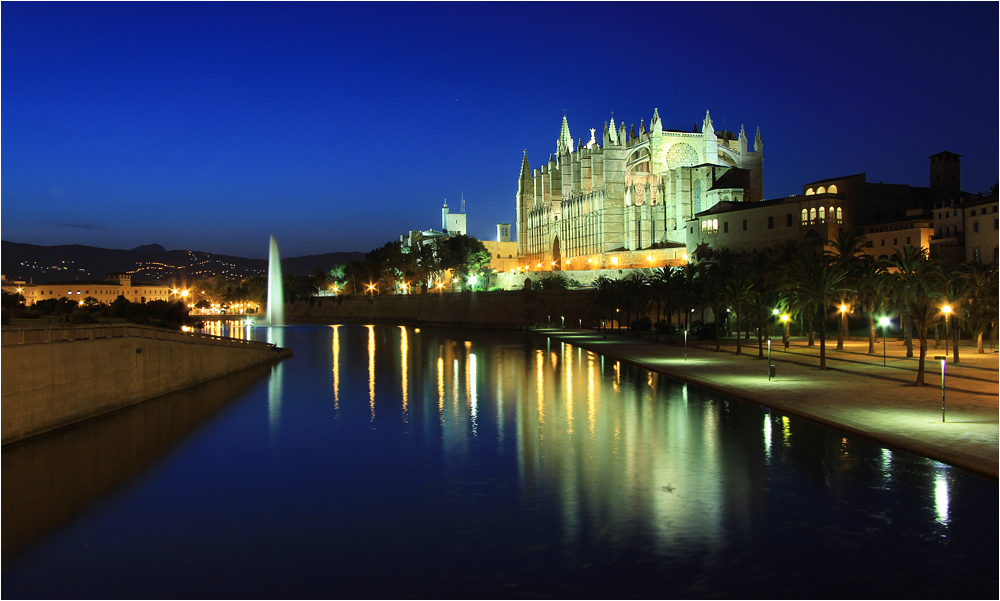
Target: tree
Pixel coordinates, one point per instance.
(981, 282)
(464, 255)
(915, 285)
(13, 302)
(848, 253)
(867, 278)
(818, 283)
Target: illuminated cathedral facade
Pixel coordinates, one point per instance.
(634, 191)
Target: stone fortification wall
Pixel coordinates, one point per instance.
(585, 277)
(497, 309)
(52, 378)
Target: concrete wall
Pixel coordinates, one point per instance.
(46, 385)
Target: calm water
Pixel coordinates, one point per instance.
(390, 462)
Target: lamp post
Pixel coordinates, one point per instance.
(944, 360)
(884, 322)
(843, 328)
(947, 313)
(685, 345)
(768, 359)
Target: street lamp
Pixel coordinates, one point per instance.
(885, 321)
(947, 313)
(843, 325)
(787, 321)
(944, 361)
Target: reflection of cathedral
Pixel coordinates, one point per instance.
(635, 191)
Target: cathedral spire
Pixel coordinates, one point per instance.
(565, 143)
(613, 129)
(758, 145)
(525, 167)
(655, 125)
(642, 126)
(743, 140)
(706, 127)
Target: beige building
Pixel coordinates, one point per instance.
(117, 284)
(982, 229)
(632, 193)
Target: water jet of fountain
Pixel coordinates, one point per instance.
(275, 293)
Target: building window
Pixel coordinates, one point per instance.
(975, 227)
(907, 239)
(692, 229)
(812, 215)
(996, 223)
(895, 241)
(725, 227)
(788, 220)
(805, 216)
(883, 242)
(972, 213)
(744, 225)
(822, 214)
(840, 215)
(770, 223)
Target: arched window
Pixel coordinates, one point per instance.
(832, 189)
(810, 192)
(821, 190)
(812, 215)
(822, 214)
(840, 215)
(715, 226)
(805, 216)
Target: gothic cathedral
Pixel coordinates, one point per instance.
(633, 192)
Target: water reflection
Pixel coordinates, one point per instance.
(276, 336)
(501, 462)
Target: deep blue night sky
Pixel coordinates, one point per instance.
(338, 127)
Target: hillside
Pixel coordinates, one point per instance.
(147, 263)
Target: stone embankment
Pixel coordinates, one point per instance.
(489, 310)
(55, 377)
(856, 394)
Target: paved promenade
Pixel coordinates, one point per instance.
(856, 393)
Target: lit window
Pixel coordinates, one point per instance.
(840, 215)
(810, 192)
(812, 215)
(805, 216)
(832, 189)
(822, 214)
(821, 190)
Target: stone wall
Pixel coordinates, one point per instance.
(69, 378)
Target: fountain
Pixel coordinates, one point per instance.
(275, 293)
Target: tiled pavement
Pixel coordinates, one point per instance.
(856, 393)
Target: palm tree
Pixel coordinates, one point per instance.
(818, 283)
(737, 294)
(867, 277)
(848, 252)
(981, 283)
(915, 285)
(763, 277)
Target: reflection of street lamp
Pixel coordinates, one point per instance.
(947, 313)
(885, 321)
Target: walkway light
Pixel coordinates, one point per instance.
(785, 319)
(884, 321)
(614, 260)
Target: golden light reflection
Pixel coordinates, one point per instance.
(371, 369)
(569, 389)
(440, 382)
(591, 401)
(540, 389)
(474, 409)
(404, 351)
(786, 431)
(336, 369)
(618, 376)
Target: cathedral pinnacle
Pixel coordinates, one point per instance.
(565, 142)
(706, 127)
(758, 145)
(655, 125)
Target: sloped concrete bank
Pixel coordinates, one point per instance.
(491, 310)
(55, 377)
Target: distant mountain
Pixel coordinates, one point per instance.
(149, 248)
(147, 263)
